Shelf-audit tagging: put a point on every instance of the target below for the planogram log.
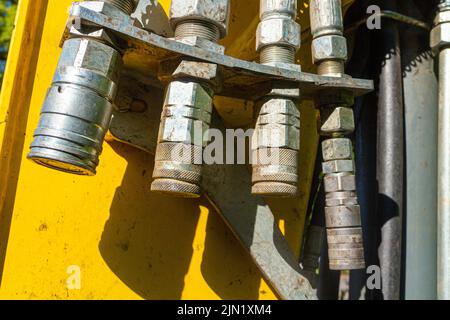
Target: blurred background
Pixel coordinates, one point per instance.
(7, 16)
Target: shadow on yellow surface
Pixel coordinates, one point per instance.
(159, 247)
(139, 245)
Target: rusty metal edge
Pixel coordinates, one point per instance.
(308, 82)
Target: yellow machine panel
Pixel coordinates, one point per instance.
(108, 236)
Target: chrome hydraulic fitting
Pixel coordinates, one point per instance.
(329, 46)
(342, 212)
(78, 107)
(276, 141)
(186, 114)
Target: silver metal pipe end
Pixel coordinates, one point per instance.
(77, 110)
(70, 133)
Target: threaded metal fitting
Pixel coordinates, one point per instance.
(77, 110)
(216, 12)
(277, 54)
(198, 28)
(330, 67)
(275, 149)
(279, 31)
(127, 6)
(342, 212)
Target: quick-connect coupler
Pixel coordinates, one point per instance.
(78, 107)
(276, 141)
(342, 212)
(188, 104)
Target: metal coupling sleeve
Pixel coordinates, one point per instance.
(78, 107)
(185, 118)
(342, 212)
(275, 145)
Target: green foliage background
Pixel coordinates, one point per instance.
(8, 9)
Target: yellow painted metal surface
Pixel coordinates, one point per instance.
(126, 242)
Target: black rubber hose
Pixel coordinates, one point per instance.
(390, 156)
(361, 66)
